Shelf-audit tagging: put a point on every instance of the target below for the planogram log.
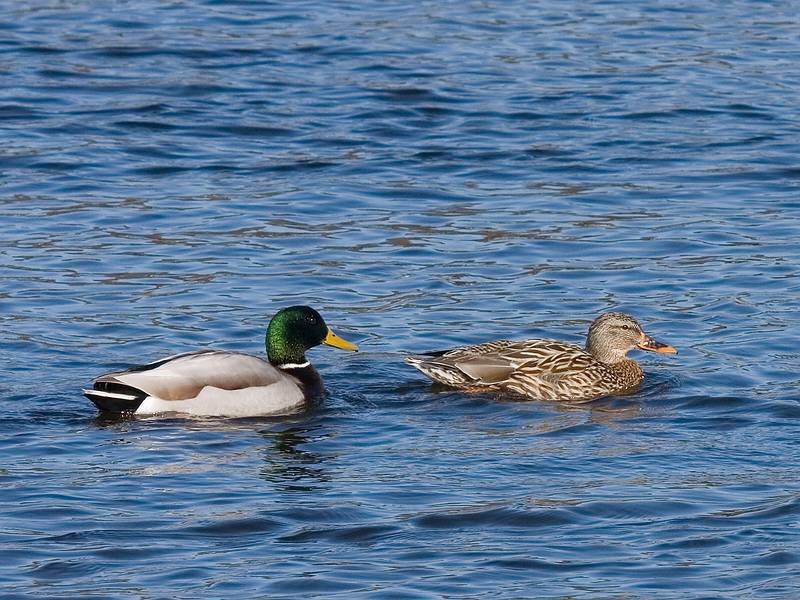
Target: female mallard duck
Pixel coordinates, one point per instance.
(547, 369)
(227, 384)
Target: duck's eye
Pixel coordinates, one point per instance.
(626, 327)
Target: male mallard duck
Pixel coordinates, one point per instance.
(547, 369)
(227, 384)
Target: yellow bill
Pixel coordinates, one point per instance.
(334, 340)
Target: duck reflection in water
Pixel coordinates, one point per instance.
(287, 464)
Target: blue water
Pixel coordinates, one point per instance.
(425, 175)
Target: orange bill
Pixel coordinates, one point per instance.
(652, 345)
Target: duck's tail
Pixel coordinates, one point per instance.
(439, 371)
(115, 397)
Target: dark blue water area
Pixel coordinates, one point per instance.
(426, 175)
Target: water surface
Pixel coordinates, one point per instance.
(172, 174)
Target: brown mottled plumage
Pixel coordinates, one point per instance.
(548, 369)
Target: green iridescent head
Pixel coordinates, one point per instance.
(294, 330)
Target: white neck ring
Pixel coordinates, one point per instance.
(294, 365)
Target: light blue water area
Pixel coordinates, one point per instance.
(425, 175)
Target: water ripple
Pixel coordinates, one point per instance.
(171, 174)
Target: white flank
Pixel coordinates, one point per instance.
(280, 398)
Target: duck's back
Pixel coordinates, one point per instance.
(540, 368)
(183, 376)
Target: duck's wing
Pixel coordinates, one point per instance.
(487, 363)
(553, 370)
(494, 363)
(182, 377)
